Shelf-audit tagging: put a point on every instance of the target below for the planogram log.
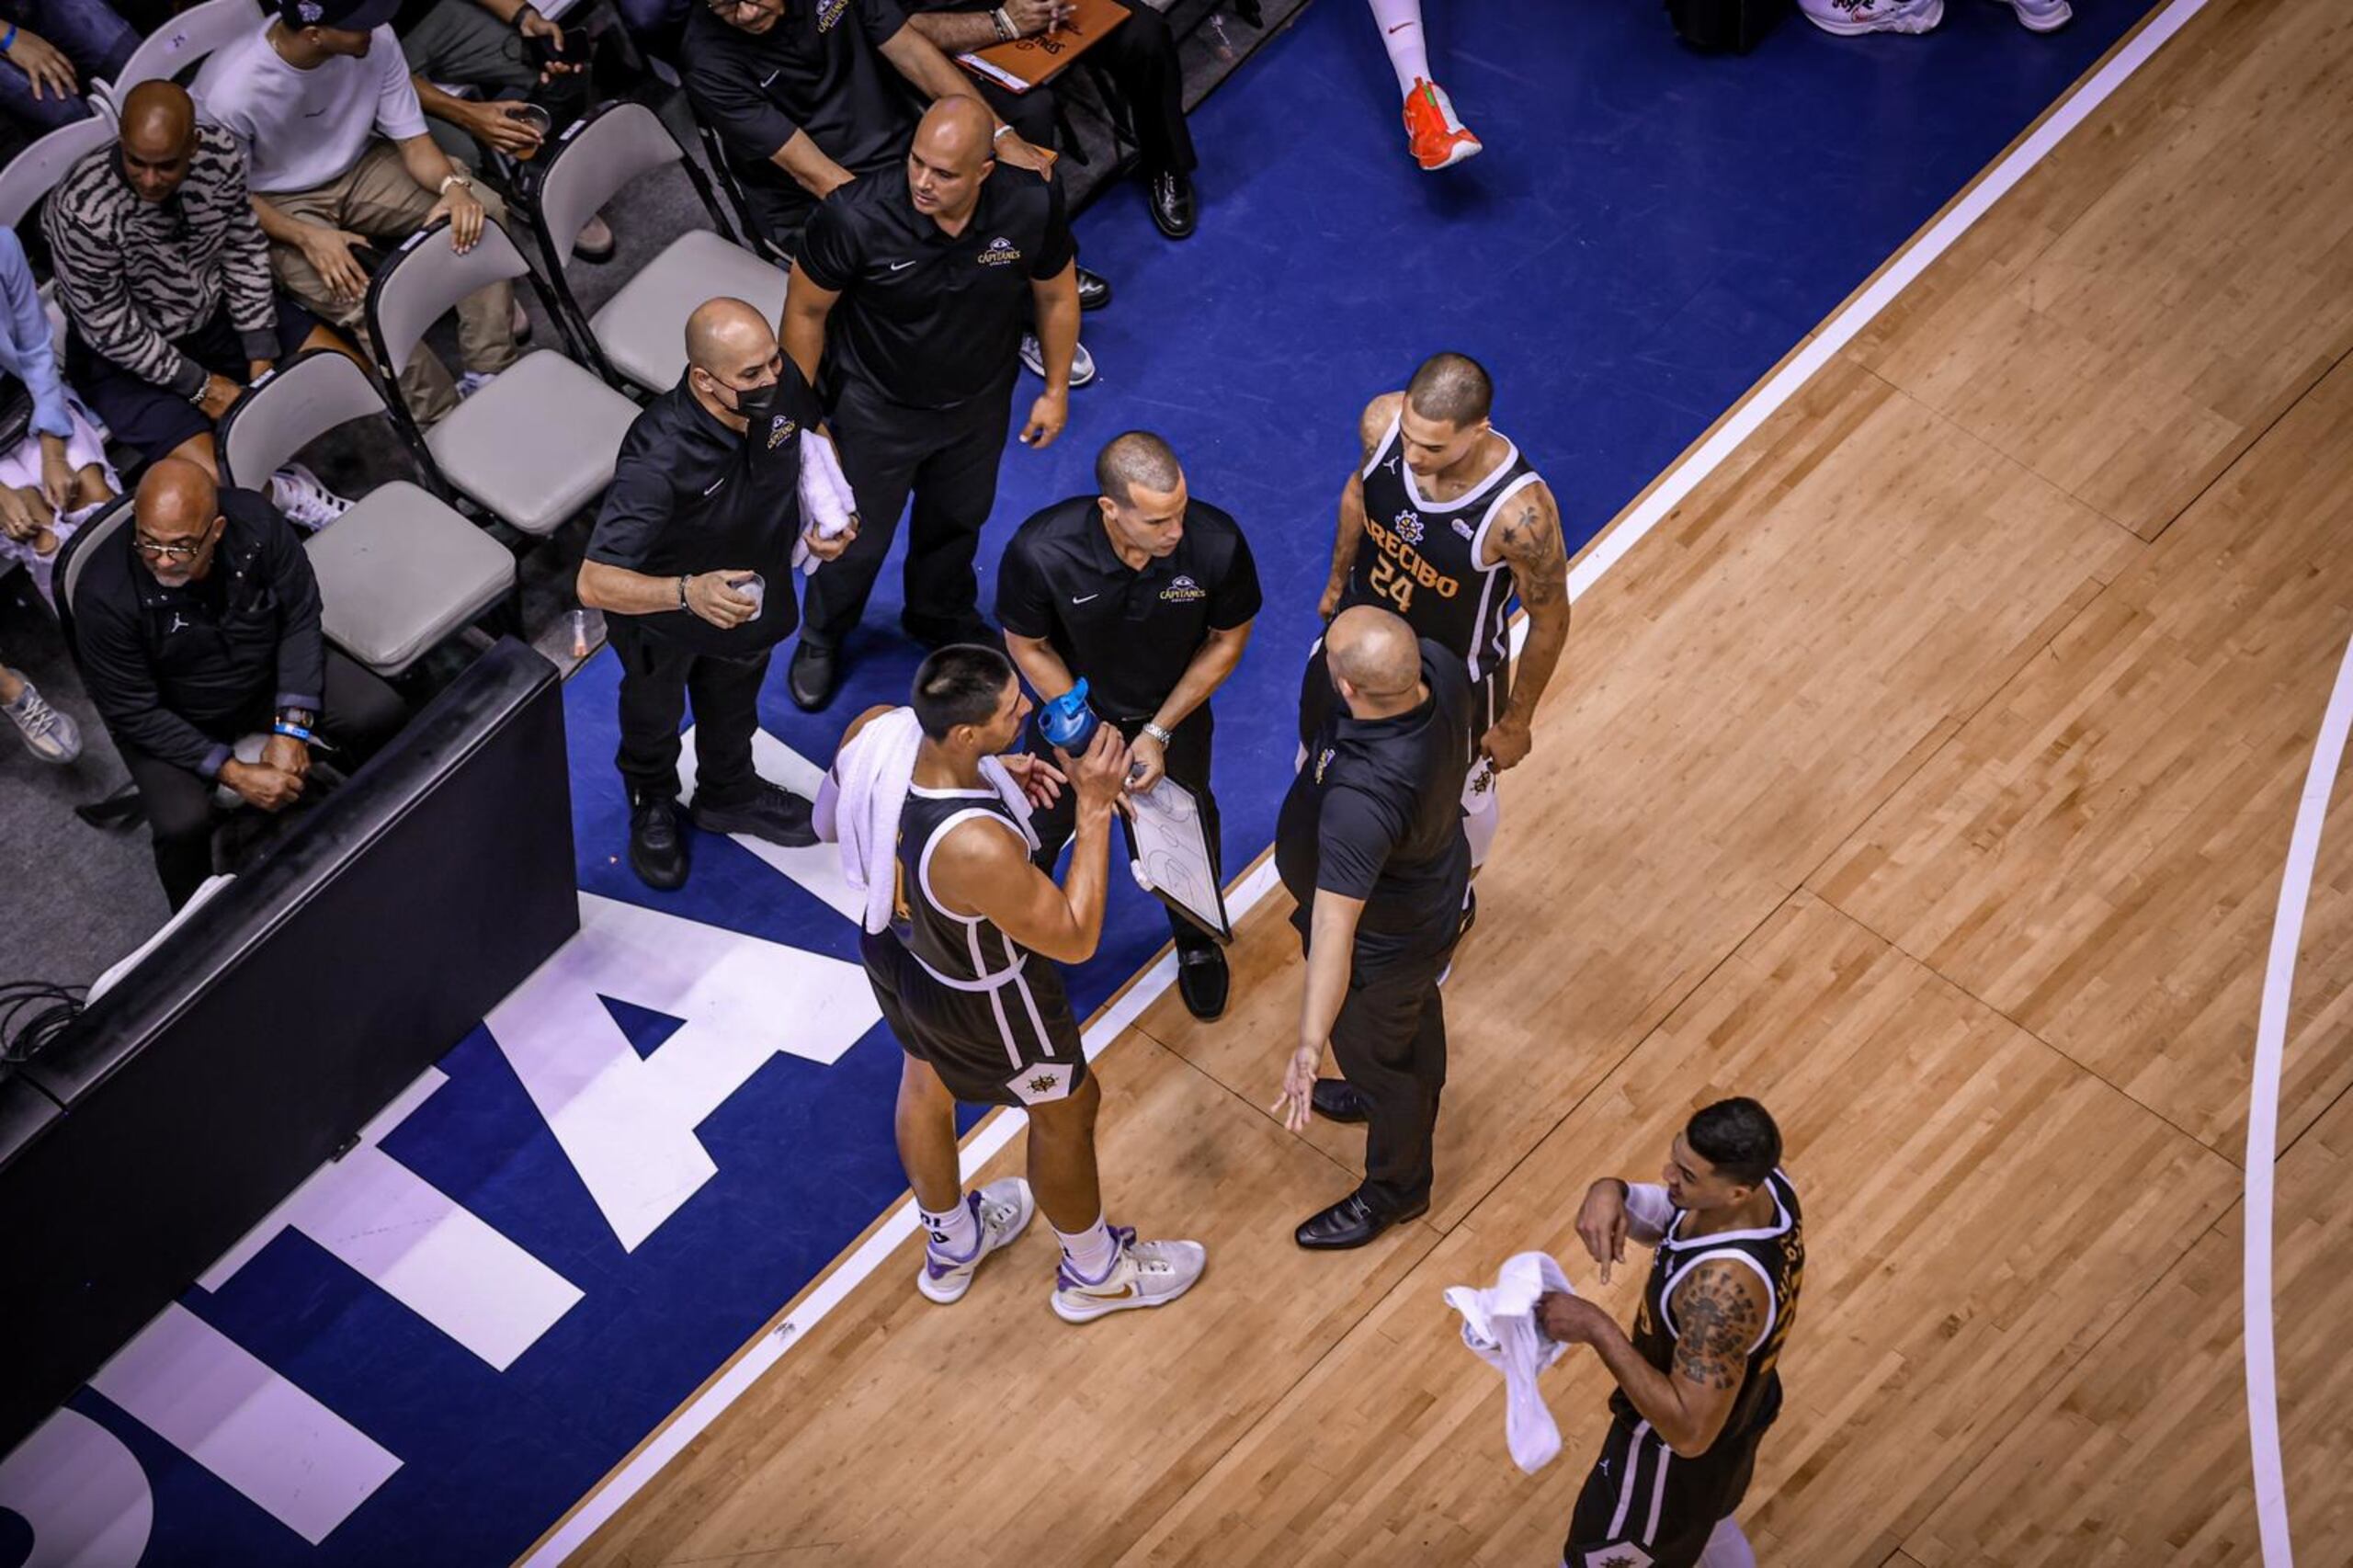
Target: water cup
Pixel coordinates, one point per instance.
(754, 587)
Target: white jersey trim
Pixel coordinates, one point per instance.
(1464, 501)
(1772, 1302)
(1490, 639)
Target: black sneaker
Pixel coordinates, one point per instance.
(1336, 1099)
(656, 853)
(772, 812)
(810, 678)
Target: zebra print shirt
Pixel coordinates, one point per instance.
(133, 276)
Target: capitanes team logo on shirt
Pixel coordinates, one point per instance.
(1183, 591)
(829, 12)
(1409, 527)
(781, 429)
(1000, 252)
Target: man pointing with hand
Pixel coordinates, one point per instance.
(691, 561)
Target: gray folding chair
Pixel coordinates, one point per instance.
(538, 443)
(640, 332)
(34, 172)
(401, 570)
(180, 43)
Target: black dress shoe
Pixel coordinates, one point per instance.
(1336, 1099)
(771, 812)
(1094, 290)
(810, 678)
(656, 853)
(1174, 211)
(1350, 1222)
(1202, 981)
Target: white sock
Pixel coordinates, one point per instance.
(1401, 31)
(954, 1233)
(1092, 1252)
(1727, 1547)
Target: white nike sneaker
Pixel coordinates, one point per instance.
(2042, 15)
(1148, 1274)
(304, 498)
(1003, 1211)
(1033, 356)
(1850, 18)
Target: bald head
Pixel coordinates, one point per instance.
(1373, 654)
(158, 138)
(173, 491)
(954, 149)
(1137, 459)
(1452, 389)
(728, 339)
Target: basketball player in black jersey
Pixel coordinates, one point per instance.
(1444, 522)
(963, 976)
(1698, 1381)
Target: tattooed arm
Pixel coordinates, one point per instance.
(1529, 539)
(1719, 1310)
(1371, 428)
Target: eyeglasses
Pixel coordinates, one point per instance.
(723, 7)
(154, 551)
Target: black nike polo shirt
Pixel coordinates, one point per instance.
(1131, 632)
(927, 318)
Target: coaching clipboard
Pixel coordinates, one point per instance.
(1170, 855)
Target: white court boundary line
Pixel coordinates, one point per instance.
(689, 1422)
(2263, 1118)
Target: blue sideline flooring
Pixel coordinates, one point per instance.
(1648, 231)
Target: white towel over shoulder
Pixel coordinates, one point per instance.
(859, 802)
(1499, 1325)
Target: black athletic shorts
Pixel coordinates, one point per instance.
(155, 419)
(1016, 1044)
(1646, 1506)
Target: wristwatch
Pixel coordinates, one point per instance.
(1156, 732)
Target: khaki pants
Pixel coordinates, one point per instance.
(376, 197)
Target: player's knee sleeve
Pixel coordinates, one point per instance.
(1727, 1547)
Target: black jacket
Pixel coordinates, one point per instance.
(180, 673)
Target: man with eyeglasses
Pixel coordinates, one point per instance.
(197, 624)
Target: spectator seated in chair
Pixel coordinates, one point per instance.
(49, 51)
(164, 278)
(338, 157)
(197, 624)
(517, 60)
(54, 469)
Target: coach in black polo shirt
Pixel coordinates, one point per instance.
(705, 494)
(809, 96)
(905, 308)
(1370, 844)
(1149, 595)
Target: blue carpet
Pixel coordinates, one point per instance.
(1648, 231)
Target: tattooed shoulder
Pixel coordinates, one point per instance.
(1717, 1317)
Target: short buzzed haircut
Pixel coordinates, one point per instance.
(1738, 1138)
(1454, 389)
(960, 683)
(1134, 457)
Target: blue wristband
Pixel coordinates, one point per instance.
(8, 39)
(292, 732)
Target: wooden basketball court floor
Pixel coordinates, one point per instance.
(1928, 774)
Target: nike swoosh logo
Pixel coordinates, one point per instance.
(769, 80)
(1398, 29)
(1089, 598)
(901, 266)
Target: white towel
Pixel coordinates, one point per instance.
(1499, 1325)
(859, 802)
(827, 503)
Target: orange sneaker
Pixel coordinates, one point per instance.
(1437, 139)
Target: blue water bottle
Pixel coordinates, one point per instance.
(1067, 721)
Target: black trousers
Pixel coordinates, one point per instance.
(657, 676)
(360, 713)
(1390, 1042)
(1188, 764)
(1140, 58)
(947, 459)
